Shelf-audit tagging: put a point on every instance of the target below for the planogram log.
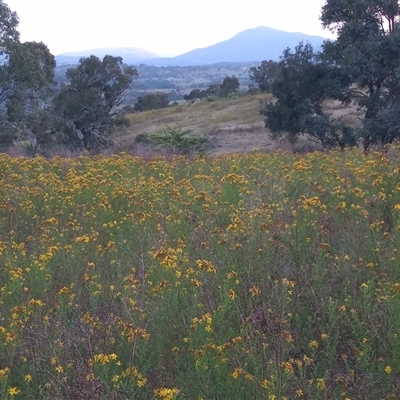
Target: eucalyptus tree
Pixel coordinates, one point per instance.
(89, 107)
(361, 67)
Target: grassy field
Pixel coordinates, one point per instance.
(232, 124)
(258, 276)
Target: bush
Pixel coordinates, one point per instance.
(180, 141)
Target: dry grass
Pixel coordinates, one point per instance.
(232, 124)
(203, 118)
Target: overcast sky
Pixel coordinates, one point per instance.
(165, 27)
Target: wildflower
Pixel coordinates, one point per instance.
(196, 282)
(388, 369)
(341, 206)
(13, 391)
(166, 394)
(324, 336)
(63, 290)
(265, 383)
(4, 372)
(59, 369)
(313, 344)
(235, 374)
(321, 384)
(28, 377)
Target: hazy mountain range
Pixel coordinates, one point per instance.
(131, 55)
(255, 44)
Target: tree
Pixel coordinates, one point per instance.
(214, 90)
(26, 68)
(152, 101)
(8, 29)
(361, 67)
(88, 108)
(264, 74)
(229, 85)
(22, 62)
(301, 85)
(194, 95)
(368, 51)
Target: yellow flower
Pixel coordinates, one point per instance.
(235, 374)
(4, 372)
(166, 394)
(13, 391)
(63, 290)
(232, 294)
(313, 344)
(265, 383)
(321, 384)
(324, 336)
(255, 291)
(388, 369)
(59, 369)
(28, 377)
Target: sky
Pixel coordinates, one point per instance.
(164, 27)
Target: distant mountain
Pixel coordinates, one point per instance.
(251, 45)
(255, 44)
(131, 55)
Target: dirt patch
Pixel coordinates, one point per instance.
(240, 138)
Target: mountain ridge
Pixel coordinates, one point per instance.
(129, 54)
(251, 45)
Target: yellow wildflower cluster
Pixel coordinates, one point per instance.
(128, 275)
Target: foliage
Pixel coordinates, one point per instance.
(152, 101)
(367, 52)
(360, 67)
(180, 141)
(254, 276)
(88, 107)
(300, 87)
(27, 65)
(28, 108)
(9, 38)
(229, 85)
(194, 95)
(27, 69)
(264, 74)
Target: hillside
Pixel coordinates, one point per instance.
(232, 125)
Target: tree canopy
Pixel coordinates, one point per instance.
(152, 101)
(361, 68)
(89, 107)
(264, 74)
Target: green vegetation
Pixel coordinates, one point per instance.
(245, 276)
(229, 85)
(359, 68)
(180, 141)
(152, 101)
(230, 119)
(86, 110)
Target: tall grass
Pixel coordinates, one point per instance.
(238, 277)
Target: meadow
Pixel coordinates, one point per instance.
(253, 276)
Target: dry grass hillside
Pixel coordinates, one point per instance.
(232, 125)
